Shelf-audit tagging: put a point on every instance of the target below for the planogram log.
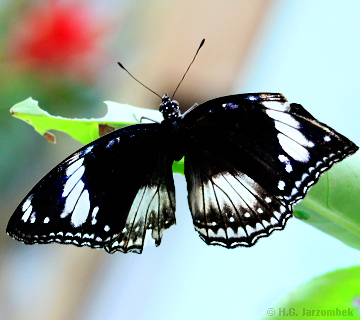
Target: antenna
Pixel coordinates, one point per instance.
(197, 51)
(122, 67)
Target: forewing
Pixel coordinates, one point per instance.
(248, 160)
(109, 195)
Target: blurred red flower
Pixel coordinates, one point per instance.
(59, 36)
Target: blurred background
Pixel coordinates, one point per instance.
(64, 54)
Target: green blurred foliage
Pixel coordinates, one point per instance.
(335, 295)
(333, 204)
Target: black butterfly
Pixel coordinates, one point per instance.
(248, 159)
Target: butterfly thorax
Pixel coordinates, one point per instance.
(172, 127)
(169, 108)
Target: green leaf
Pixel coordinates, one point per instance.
(331, 205)
(83, 130)
(336, 295)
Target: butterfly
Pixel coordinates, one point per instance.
(248, 159)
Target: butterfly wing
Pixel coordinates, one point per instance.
(109, 194)
(249, 158)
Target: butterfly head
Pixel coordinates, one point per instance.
(169, 108)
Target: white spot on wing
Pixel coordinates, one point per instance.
(70, 183)
(33, 217)
(283, 158)
(281, 185)
(46, 220)
(26, 214)
(211, 234)
(81, 210)
(221, 233)
(202, 231)
(110, 143)
(277, 215)
(71, 199)
(293, 149)
(283, 117)
(88, 149)
(265, 223)
(27, 203)
(106, 228)
(292, 133)
(74, 166)
(276, 105)
(93, 215)
(241, 233)
(230, 232)
(250, 230)
(304, 176)
(286, 161)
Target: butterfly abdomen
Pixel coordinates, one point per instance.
(174, 137)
